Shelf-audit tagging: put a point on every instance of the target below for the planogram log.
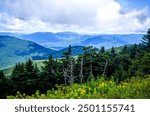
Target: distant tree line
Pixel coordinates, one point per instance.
(130, 61)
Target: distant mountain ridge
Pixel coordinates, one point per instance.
(112, 40)
(61, 40)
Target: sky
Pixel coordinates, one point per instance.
(82, 16)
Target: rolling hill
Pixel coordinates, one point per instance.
(13, 50)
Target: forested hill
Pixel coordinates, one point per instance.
(13, 50)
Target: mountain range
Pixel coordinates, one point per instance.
(63, 39)
(18, 47)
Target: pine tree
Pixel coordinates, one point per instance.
(2, 75)
(49, 78)
(146, 41)
(112, 52)
(3, 84)
(89, 58)
(135, 51)
(18, 78)
(102, 50)
(125, 50)
(145, 64)
(30, 71)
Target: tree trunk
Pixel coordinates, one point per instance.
(81, 71)
(91, 67)
(106, 63)
(71, 77)
(65, 75)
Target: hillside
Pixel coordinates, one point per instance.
(13, 50)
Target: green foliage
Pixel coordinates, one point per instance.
(137, 87)
(102, 50)
(24, 77)
(5, 85)
(146, 41)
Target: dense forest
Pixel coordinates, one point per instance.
(93, 74)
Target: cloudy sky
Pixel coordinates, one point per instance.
(83, 16)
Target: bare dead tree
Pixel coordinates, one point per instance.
(105, 67)
(70, 71)
(65, 75)
(81, 71)
(91, 66)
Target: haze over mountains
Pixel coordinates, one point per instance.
(63, 39)
(17, 47)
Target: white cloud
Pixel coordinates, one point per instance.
(99, 16)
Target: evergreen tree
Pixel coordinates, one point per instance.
(135, 51)
(31, 76)
(89, 57)
(112, 52)
(30, 70)
(145, 64)
(3, 84)
(18, 78)
(49, 73)
(102, 50)
(125, 50)
(120, 74)
(146, 41)
(2, 74)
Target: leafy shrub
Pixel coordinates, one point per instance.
(135, 88)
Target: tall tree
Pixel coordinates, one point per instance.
(4, 88)
(102, 50)
(49, 73)
(68, 66)
(18, 78)
(2, 74)
(125, 50)
(145, 64)
(134, 51)
(30, 70)
(113, 52)
(89, 53)
(146, 41)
